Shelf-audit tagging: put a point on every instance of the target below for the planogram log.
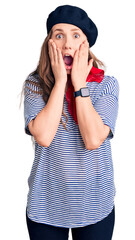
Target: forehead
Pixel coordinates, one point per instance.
(66, 27)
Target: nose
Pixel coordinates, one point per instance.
(67, 43)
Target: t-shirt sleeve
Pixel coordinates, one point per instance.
(107, 104)
(33, 104)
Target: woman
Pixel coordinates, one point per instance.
(70, 109)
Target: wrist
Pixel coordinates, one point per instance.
(60, 82)
(60, 85)
(78, 86)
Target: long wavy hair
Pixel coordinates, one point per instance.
(45, 73)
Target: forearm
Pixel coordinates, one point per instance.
(45, 125)
(91, 126)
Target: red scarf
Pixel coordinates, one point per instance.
(95, 75)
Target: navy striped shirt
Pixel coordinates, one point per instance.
(69, 185)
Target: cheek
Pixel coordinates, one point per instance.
(58, 44)
(77, 45)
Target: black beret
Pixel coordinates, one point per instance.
(76, 16)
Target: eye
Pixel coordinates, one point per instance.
(76, 35)
(59, 36)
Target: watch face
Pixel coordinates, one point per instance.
(85, 92)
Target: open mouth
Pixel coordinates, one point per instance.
(68, 60)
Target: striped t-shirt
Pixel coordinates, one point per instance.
(69, 185)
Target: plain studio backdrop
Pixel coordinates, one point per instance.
(23, 29)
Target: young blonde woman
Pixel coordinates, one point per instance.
(70, 109)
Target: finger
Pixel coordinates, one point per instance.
(54, 52)
(83, 50)
(85, 42)
(76, 55)
(59, 55)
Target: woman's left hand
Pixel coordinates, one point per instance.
(81, 67)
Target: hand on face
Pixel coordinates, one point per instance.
(57, 63)
(81, 67)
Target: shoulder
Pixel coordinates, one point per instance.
(32, 80)
(109, 85)
(32, 84)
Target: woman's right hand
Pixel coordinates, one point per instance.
(57, 63)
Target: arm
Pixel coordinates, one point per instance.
(44, 126)
(91, 126)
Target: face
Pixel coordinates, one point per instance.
(67, 38)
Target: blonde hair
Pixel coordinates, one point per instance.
(46, 77)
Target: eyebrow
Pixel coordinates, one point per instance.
(73, 29)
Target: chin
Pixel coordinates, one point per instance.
(68, 71)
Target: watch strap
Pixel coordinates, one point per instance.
(79, 92)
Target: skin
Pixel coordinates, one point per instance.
(70, 39)
(67, 38)
(91, 126)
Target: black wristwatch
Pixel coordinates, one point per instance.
(83, 92)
